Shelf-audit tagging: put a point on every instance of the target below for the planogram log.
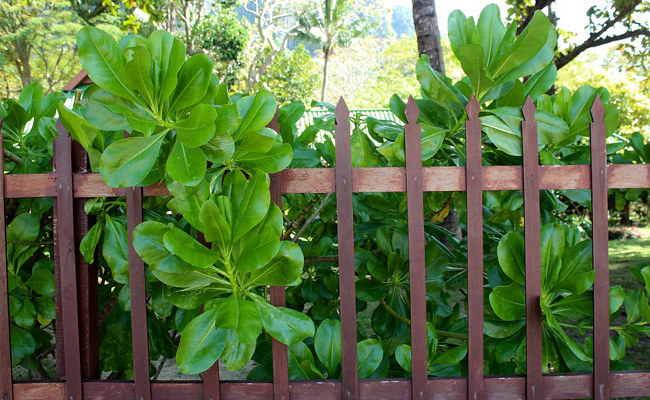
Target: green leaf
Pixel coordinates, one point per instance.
(257, 142)
(286, 325)
(160, 301)
(508, 302)
(254, 205)
(115, 249)
(219, 149)
(512, 256)
(236, 355)
(453, 356)
(168, 56)
(201, 344)
(432, 138)
(272, 161)
(436, 85)
(136, 74)
(363, 151)
(258, 252)
(22, 343)
(283, 270)
(25, 317)
(541, 82)
(327, 344)
(78, 128)
(42, 282)
(186, 165)
(645, 272)
(241, 316)
(301, 361)
(216, 227)
(256, 112)
(369, 356)
(198, 128)
(46, 308)
(188, 200)
(193, 82)
(616, 298)
(102, 59)
(89, 242)
(127, 162)
(188, 249)
(148, 242)
(490, 31)
(403, 357)
(472, 60)
(502, 135)
(193, 297)
(552, 246)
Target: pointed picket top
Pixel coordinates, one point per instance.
(472, 108)
(598, 110)
(412, 111)
(529, 109)
(342, 112)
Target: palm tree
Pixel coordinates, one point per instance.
(425, 20)
(330, 24)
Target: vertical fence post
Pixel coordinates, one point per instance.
(474, 178)
(67, 263)
(417, 281)
(138, 287)
(6, 387)
(600, 251)
(280, 355)
(345, 228)
(534, 387)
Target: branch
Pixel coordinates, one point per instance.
(20, 242)
(108, 308)
(530, 11)
(11, 156)
(312, 217)
(294, 224)
(331, 258)
(566, 58)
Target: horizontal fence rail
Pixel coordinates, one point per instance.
(344, 180)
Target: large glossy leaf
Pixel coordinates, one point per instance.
(283, 270)
(116, 249)
(490, 31)
(512, 256)
(301, 363)
(363, 151)
(102, 59)
(256, 111)
(453, 356)
(508, 302)
(136, 74)
(42, 282)
(193, 81)
(272, 161)
(436, 86)
(254, 205)
(552, 244)
(219, 149)
(237, 354)
(216, 227)
(369, 356)
(186, 165)
(188, 200)
(473, 61)
(286, 325)
(259, 252)
(327, 344)
(242, 316)
(257, 141)
(22, 343)
(188, 249)
(128, 161)
(403, 357)
(168, 55)
(198, 128)
(502, 135)
(201, 344)
(541, 82)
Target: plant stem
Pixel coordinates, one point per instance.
(312, 217)
(408, 321)
(20, 242)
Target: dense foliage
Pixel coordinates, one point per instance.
(214, 246)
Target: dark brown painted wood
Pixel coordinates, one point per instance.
(600, 253)
(138, 287)
(414, 181)
(345, 227)
(6, 390)
(67, 266)
(475, 387)
(510, 387)
(278, 299)
(86, 278)
(534, 387)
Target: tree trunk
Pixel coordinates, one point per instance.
(324, 89)
(425, 20)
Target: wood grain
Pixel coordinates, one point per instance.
(138, 288)
(417, 272)
(600, 255)
(474, 157)
(67, 264)
(345, 227)
(534, 387)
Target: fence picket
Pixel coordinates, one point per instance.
(345, 227)
(474, 178)
(534, 388)
(280, 355)
(138, 287)
(6, 386)
(413, 148)
(67, 263)
(600, 251)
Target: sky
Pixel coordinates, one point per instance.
(572, 14)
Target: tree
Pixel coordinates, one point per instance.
(331, 24)
(618, 21)
(428, 33)
(291, 76)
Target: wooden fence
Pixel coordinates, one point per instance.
(77, 328)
